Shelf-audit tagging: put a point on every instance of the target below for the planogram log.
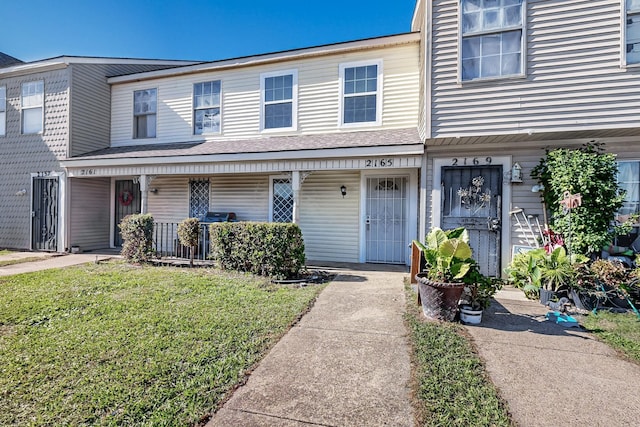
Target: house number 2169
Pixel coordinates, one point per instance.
(465, 161)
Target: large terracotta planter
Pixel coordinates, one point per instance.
(439, 299)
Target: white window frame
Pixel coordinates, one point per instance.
(218, 106)
(135, 123)
(624, 14)
(523, 45)
(31, 107)
(3, 110)
(294, 100)
(342, 67)
(636, 203)
(271, 179)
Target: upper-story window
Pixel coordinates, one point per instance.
(633, 31)
(361, 98)
(206, 107)
(145, 106)
(279, 100)
(3, 110)
(492, 38)
(32, 104)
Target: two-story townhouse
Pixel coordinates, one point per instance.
(501, 80)
(49, 110)
(323, 136)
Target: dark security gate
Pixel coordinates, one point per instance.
(127, 202)
(472, 198)
(44, 223)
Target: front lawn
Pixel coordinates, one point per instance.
(621, 331)
(451, 387)
(113, 344)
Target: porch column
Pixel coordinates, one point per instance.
(422, 216)
(295, 186)
(144, 192)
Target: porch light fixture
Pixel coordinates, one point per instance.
(153, 190)
(343, 191)
(21, 192)
(516, 172)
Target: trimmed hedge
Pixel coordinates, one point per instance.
(188, 234)
(268, 249)
(137, 236)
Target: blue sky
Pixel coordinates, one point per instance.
(190, 29)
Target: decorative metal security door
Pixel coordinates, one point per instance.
(44, 224)
(472, 198)
(386, 220)
(128, 201)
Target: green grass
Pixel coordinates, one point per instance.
(620, 331)
(5, 252)
(113, 344)
(451, 385)
(4, 263)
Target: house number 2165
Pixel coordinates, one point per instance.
(378, 163)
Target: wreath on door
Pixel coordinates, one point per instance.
(125, 197)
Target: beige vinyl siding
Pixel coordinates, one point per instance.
(245, 195)
(89, 213)
(171, 202)
(318, 97)
(330, 223)
(573, 76)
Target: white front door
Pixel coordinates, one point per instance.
(386, 213)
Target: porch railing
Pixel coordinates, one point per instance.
(167, 244)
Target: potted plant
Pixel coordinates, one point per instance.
(448, 260)
(477, 295)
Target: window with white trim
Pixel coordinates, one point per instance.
(206, 107)
(361, 92)
(629, 181)
(632, 36)
(3, 110)
(281, 200)
(145, 106)
(279, 100)
(32, 103)
(492, 38)
(198, 198)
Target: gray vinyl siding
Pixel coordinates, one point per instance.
(89, 213)
(22, 155)
(573, 76)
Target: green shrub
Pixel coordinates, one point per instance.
(268, 249)
(188, 234)
(137, 236)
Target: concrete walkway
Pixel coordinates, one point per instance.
(553, 376)
(48, 261)
(345, 364)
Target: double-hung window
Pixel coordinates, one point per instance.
(492, 38)
(279, 100)
(145, 106)
(632, 40)
(3, 110)
(206, 107)
(629, 181)
(361, 98)
(32, 104)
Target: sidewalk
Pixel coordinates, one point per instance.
(48, 261)
(345, 364)
(550, 375)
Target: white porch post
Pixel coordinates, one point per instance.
(295, 186)
(422, 217)
(144, 191)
